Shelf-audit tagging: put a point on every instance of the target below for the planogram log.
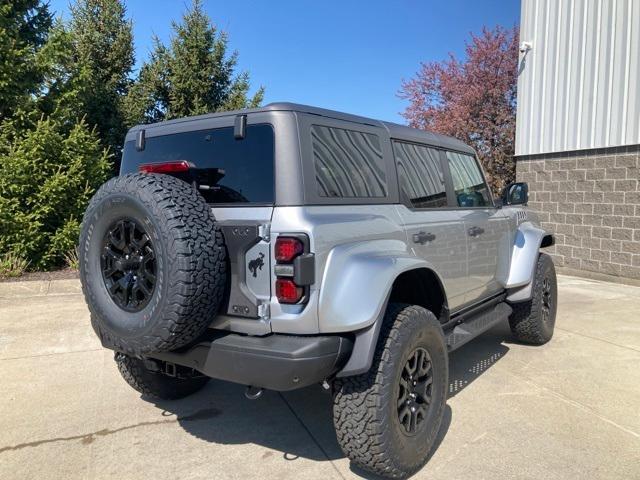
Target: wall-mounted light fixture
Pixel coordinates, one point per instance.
(525, 47)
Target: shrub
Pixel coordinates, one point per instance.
(47, 175)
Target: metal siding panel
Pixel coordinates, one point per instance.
(530, 75)
(577, 127)
(574, 77)
(600, 120)
(539, 60)
(578, 86)
(523, 122)
(547, 70)
(618, 100)
(633, 95)
(563, 74)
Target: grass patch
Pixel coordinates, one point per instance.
(12, 265)
(72, 260)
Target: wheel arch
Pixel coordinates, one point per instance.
(421, 286)
(417, 286)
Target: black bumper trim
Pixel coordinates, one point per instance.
(275, 362)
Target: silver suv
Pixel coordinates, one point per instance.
(290, 245)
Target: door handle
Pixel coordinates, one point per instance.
(475, 231)
(422, 237)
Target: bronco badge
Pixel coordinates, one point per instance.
(256, 263)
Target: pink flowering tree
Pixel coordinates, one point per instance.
(473, 99)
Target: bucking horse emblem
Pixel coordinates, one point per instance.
(256, 263)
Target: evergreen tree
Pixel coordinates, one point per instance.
(195, 74)
(24, 25)
(47, 176)
(51, 160)
(103, 57)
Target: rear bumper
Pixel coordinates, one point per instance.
(275, 362)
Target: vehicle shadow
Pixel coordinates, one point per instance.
(476, 357)
(299, 424)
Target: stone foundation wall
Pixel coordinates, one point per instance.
(590, 200)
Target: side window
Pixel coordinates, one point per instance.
(347, 163)
(468, 183)
(420, 175)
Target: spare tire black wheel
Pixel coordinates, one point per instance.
(152, 263)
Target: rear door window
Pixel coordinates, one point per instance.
(468, 182)
(247, 165)
(348, 163)
(420, 175)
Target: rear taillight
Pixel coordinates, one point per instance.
(287, 291)
(288, 248)
(294, 268)
(165, 167)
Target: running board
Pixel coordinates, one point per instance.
(476, 325)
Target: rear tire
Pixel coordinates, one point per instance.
(372, 412)
(157, 384)
(533, 321)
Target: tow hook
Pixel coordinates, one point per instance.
(253, 393)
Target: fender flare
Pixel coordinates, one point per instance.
(370, 267)
(528, 240)
(354, 268)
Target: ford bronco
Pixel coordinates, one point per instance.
(288, 245)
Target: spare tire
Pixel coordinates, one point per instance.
(152, 263)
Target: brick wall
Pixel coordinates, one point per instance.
(591, 201)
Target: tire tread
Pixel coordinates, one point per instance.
(196, 262)
(526, 319)
(359, 420)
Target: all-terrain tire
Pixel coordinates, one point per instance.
(533, 321)
(156, 384)
(366, 408)
(189, 263)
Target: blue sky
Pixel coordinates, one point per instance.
(344, 55)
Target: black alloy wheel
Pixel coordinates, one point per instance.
(128, 265)
(414, 396)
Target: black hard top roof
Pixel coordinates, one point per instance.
(395, 130)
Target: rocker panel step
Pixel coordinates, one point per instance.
(476, 325)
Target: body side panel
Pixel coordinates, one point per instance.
(355, 247)
(446, 253)
(488, 252)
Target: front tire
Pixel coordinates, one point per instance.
(155, 383)
(533, 321)
(387, 419)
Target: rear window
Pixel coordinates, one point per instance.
(347, 163)
(248, 164)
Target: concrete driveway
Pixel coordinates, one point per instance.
(568, 410)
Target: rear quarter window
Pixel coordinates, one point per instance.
(347, 163)
(248, 164)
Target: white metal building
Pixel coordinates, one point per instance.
(578, 128)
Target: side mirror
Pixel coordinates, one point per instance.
(516, 194)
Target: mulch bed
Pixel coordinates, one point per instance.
(64, 274)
